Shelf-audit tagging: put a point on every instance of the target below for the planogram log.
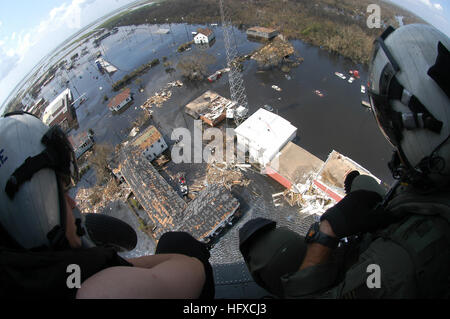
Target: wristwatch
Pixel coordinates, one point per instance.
(314, 235)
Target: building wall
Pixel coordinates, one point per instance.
(201, 38)
(87, 145)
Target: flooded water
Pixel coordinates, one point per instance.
(336, 121)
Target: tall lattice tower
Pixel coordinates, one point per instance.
(237, 88)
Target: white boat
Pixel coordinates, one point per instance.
(351, 79)
(363, 89)
(276, 88)
(340, 75)
(366, 104)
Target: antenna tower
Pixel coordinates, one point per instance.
(237, 88)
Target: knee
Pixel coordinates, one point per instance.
(271, 253)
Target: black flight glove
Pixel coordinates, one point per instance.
(349, 181)
(356, 214)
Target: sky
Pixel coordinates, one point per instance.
(31, 29)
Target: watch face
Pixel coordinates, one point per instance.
(312, 233)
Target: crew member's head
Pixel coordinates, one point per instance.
(37, 165)
(409, 90)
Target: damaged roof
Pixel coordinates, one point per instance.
(161, 202)
(166, 209)
(149, 137)
(210, 209)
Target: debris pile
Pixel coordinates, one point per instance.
(274, 52)
(162, 96)
(94, 200)
(310, 201)
(227, 175)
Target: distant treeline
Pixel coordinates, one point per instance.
(129, 77)
(338, 26)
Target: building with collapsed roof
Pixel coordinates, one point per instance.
(151, 143)
(161, 202)
(204, 218)
(209, 213)
(210, 107)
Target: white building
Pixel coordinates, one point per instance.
(151, 143)
(263, 135)
(204, 36)
(120, 100)
(58, 112)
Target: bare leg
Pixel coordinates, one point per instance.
(162, 277)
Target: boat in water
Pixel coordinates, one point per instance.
(340, 75)
(319, 93)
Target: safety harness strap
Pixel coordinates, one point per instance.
(26, 171)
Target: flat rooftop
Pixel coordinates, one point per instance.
(296, 164)
(262, 30)
(266, 130)
(333, 173)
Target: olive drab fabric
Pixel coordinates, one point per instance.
(413, 255)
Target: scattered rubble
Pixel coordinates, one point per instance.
(274, 52)
(225, 174)
(94, 200)
(162, 96)
(310, 201)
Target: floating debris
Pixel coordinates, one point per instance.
(162, 96)
(227, 175)
(355, 73)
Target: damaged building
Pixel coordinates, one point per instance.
(209, 213)
(210, 107)
(204, 218)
